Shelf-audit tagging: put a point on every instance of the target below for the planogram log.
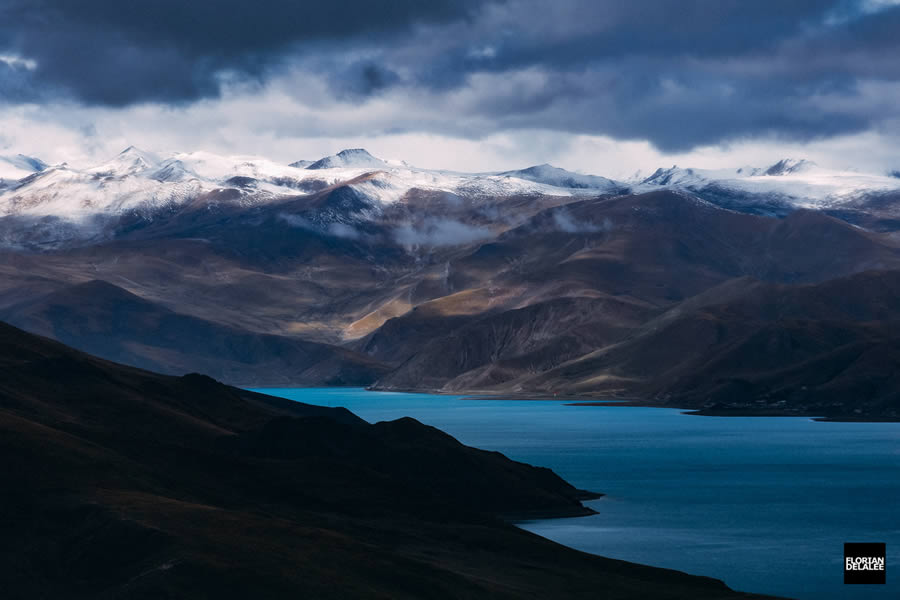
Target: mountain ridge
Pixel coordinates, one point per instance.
(109, 322)
(78, 206)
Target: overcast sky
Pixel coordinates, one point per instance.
(600, 86)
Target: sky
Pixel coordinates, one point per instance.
(597, 86)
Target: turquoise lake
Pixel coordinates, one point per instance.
(764, 504)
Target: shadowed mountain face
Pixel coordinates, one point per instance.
(519, 293)
(827, 349)
(121, 483)
(109, 322)
(670, 292)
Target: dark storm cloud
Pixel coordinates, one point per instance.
(679, 74)
(682, 74)
(361, 79)
(118, 52)
(16, 83)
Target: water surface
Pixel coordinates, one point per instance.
(764, 504)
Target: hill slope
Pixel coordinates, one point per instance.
(655, 298)
(125, 484)
(109, 322)
(829, 349)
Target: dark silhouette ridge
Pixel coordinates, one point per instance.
(121, 483)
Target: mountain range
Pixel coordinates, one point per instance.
(63, 205)
(766, 290)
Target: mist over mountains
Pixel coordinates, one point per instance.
(354, 270)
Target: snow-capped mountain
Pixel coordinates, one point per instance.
(137, 180)
(131, 161)
(80, 203)
(63, 203)
(78, 195)
(13, 168)
(350, 158)
(554, 176)
(787, 166)
(787, 184)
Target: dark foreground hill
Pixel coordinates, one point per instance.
(119, 483)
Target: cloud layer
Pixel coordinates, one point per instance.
(114, 52)
(676, 75)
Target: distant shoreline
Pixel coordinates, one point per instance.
(589, 400)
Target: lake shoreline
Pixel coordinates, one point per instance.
(552, 513)
(719, 497)
(594, 400)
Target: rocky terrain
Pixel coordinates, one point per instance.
(749, 291)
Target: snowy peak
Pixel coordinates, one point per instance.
(784, 186)
(139, 183)
(550, 175)
(678, 176)
(16, 167)
(788, 166)
(26, 163)
(301, 164)
(352, 157)
(673, 176)
(171, 170)
(130, 161)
